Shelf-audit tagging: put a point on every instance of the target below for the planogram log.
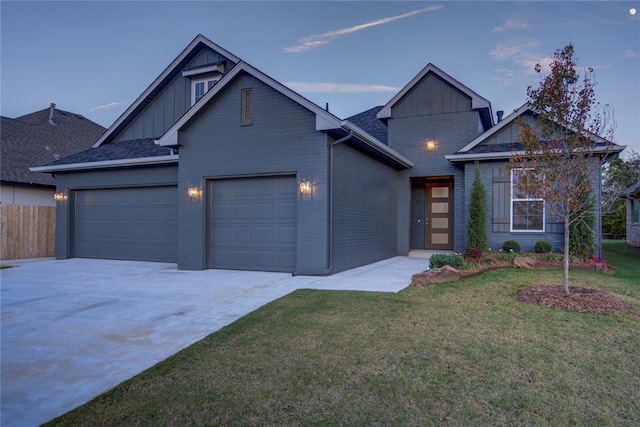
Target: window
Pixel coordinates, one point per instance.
(199, 87)
(245, 115)
(527, 210)
(635, 210)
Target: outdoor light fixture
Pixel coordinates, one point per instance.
(59, 197)
(431, 145)
(306, 187)
(194, 192)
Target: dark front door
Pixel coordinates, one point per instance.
(439, 216)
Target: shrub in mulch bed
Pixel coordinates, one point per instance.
(579, 299)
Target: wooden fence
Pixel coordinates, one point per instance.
(27, 231)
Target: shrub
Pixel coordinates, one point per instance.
(543, 247)
(473, 254)
(439, 260)
(511, 246)
(506, 256)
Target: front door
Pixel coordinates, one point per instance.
(439, 216)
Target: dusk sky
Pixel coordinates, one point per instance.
(96, 58)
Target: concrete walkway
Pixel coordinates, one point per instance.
(73, 329)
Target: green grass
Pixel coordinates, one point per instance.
(463, 353)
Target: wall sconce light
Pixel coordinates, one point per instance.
(194, 192)
(60, 197)
(306, 187)
(431, 145)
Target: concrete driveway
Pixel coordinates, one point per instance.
(73, 329)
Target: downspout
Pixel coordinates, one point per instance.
(329, 268)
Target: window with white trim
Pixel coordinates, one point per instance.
(527, 210)
(199, 87)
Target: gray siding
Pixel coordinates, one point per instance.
(281, 141)
(364, 209)
(106, 178)
(169, 105)
(432, 95)
(408, 135)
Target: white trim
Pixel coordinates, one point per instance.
(529, 199)
(477, 101)
(140, 161)
(199, 39)
(204, 70)
(508, 154)
(324, 119)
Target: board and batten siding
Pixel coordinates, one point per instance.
(432, 95)
(169, 105)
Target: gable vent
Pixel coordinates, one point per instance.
(246, 117)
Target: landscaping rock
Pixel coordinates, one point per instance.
(441, 275)
(524, 262)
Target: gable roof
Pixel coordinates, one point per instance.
(30, 140)
(476, 151)
(477, 101)
(324, 119)
(157, 85)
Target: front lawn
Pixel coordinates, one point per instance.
(461, 353)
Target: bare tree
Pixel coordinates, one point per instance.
(564, 145)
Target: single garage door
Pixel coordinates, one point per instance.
(253, 223)
(137, 223)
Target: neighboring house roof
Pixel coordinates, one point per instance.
(158, 84)
(368, 121)
(476, 150)
(477, 101)
(31, 140)
(633, 191)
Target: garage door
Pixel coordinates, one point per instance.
(253, 224)
(126, 223)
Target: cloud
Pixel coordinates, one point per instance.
(628, 54)
(110, 105)
(316, 87)
(512, 25)
(510, 49)
(530, 62)
(317, 40)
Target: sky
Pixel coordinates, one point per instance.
(96, 58)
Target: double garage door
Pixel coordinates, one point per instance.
(251, 224)
(137, 223)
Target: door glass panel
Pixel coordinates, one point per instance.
(440, 192)
(439, 238)
(438, 208)
(440, 223)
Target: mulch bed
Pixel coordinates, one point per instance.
(579, 299)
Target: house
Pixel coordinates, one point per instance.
(632, 196)
(217, 165)
(36, 139)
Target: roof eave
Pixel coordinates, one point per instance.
(375, 143)
(103, 164)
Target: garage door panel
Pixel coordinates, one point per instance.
(126, 223)
(262, 223)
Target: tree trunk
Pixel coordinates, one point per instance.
(565, 278)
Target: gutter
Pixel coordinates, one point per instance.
(140, 161)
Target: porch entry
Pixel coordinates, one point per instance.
(432, 213)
